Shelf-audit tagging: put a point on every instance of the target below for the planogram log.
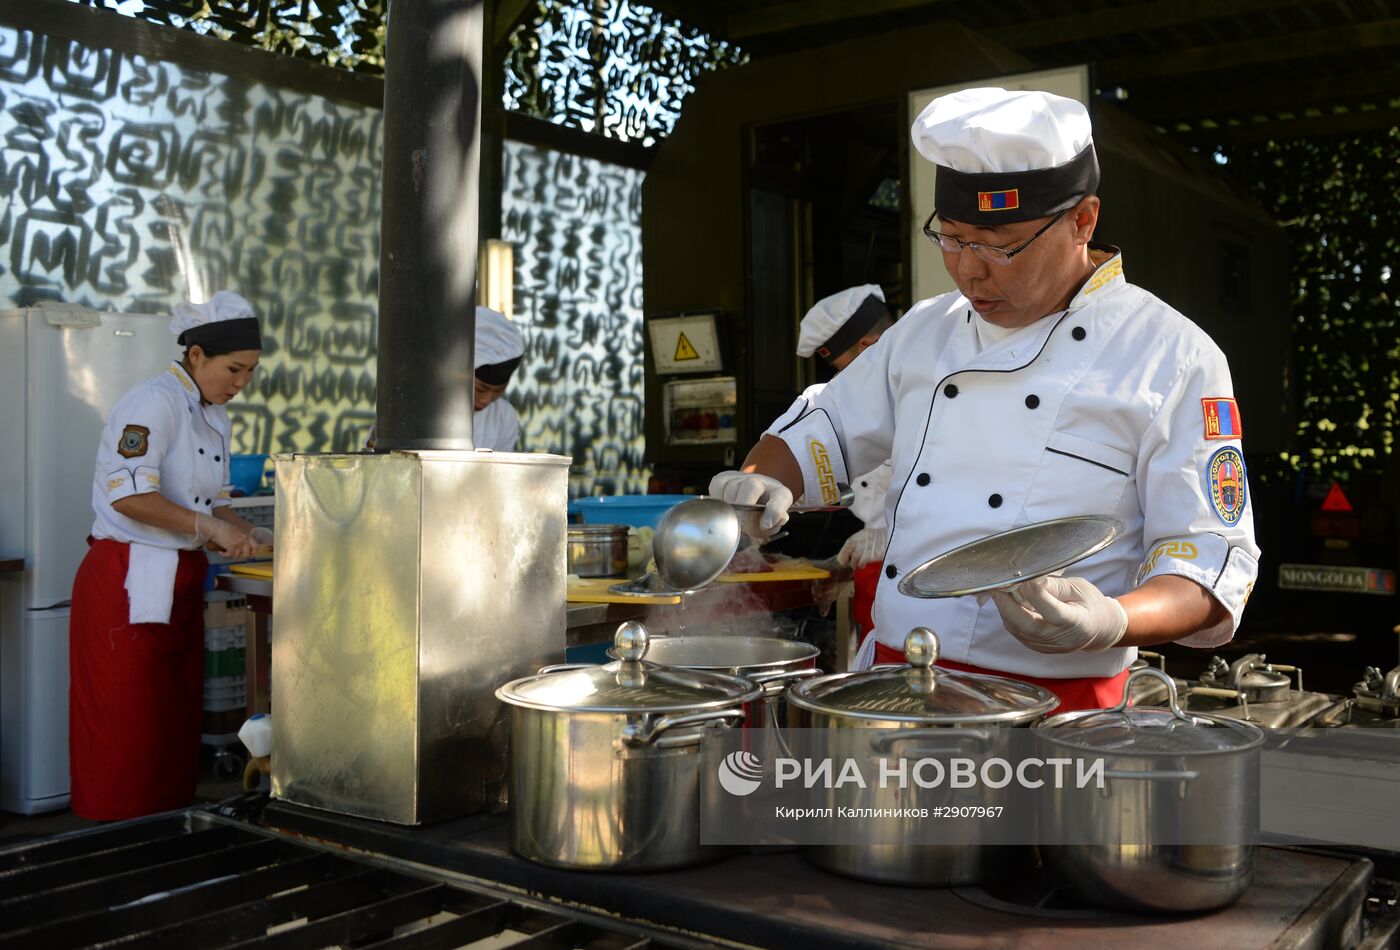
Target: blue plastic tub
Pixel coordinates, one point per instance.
(637, 511)
(246, 472)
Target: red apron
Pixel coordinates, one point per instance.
(135, 690)
(1085, 692)
(863, 598)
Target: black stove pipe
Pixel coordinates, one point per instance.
(428, 224)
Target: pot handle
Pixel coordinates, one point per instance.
(649, 731)
(775, 683)
(1153, 673)
(978, 741)
(1186, 775)
(1222, 694)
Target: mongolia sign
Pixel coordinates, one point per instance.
(1338, 579)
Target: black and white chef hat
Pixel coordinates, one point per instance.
(836, 323)
(1006, 156)
(498, 349)
(225, 323)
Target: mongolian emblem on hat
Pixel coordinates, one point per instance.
(1225, 483)
(133, 442)
(1222, 418)
(999, 200)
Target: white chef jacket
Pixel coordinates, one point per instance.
(1099, 409)
(160, 438)
(869, 489)
(496, 427)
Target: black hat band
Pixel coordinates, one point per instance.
(224, 336)
(497, 374)
(856, 326)
(986, 199)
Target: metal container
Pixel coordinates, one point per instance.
(894, 710)
(409, 586)
(766, 661)
(598, 550)
(1173, 827)
(605, 768)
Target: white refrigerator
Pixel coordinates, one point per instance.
(61, 370)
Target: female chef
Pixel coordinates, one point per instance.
(136, 639)
(1046, 386)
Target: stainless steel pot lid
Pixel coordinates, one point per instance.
(1150, 730)
(920, 693)
(629, 685)
(724, 653)
(1011, 557)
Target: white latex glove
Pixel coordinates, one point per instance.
(864, 547)
(1061, 615)
(262, 537)
(747, 488)
(229, 540)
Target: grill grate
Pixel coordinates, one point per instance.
(192, 880)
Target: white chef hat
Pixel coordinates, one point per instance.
(499, 347)
(836, 323)
(224, 324)
(1006, 156)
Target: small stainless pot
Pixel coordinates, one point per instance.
(770, 662)
(909, 709)
(598, 550)
(1173, 827)
(605, 760)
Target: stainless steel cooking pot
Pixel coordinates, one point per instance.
(894, 711)
(598, 550)
(1173, 827)
(605, 760)
(770, 662)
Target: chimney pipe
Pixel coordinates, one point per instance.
(428, 224)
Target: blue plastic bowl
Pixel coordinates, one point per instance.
(245, 472)
(637, 511)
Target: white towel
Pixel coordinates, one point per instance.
(865, 656)
(150, 582)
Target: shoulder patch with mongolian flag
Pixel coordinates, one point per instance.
(999, 200)
(1226, 484)
(133, 442)
(1222, 418)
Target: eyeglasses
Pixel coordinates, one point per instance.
(988, 252)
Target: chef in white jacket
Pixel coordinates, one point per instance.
(160, 494)
(1046, 386)
(839, 328)
(499, 347)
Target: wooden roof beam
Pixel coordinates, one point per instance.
(1290, 96)
(1378, 34)
(1341, 123)
(767, 19)
(1125, 18)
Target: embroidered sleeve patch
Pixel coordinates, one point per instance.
(826, 479)
(1226, 485)
(1222, 418)
(133, 442)
(114, 483)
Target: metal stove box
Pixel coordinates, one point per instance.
(407, 587)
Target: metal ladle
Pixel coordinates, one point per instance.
(694, 542)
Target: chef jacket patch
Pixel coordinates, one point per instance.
(1225, 484)
(133, 442)
(999, 200)
(1222, 418)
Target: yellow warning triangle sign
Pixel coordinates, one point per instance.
(685, 350)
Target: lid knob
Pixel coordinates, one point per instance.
(630, 641)
(921, 648)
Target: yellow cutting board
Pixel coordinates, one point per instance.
(259, 569)
(792, 571)
(594, 590)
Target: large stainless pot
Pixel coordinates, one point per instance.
(1173, 828)
(767, 661)
(598, 550)
(903, 710)
(605, 760)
